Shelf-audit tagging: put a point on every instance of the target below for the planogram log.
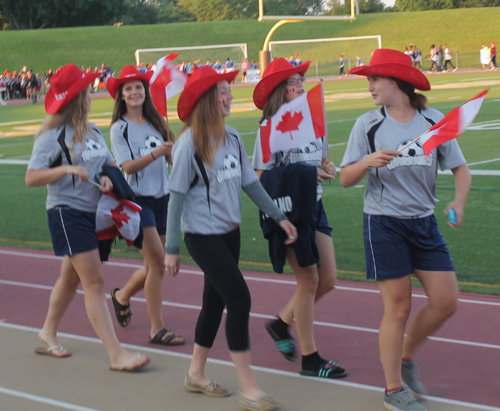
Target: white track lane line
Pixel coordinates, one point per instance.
(263, 369)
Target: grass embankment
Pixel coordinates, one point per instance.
(462, 29)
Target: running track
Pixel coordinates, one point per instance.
(460, 363)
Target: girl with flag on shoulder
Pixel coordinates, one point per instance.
(142, 143)
(210, 169)
(282, 83)
(400, 230)
(68, 152)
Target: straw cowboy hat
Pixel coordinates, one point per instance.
(277, 72)
(128, 73)
(393, 63)
(65, 85)
(202, 80)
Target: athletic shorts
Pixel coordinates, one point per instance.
(322, 220)
(395, 247)
(154, 212)
(72, 231)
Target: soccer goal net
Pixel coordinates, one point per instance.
(235, 52)
(325, 53)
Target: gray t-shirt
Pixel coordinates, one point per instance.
(406, 187)
(69, 190)
(311, 154)
(141, 140)
(226, 176)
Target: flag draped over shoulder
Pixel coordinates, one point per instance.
(166, 82)
(295, 124)
(453, 124)
(117, 218)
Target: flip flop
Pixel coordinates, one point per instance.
(137, 357)
(162, 339)
(50, 351)
(123, 319)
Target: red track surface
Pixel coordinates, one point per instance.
(461, 364)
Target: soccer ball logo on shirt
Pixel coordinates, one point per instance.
(151, 143)
(231, 169)
(93, 149)
(411, 156)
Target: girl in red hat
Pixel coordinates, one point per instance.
(142, 143)
(400, 230)
(281, 83)
(68, 152)
(210, 169)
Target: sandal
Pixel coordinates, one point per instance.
(167, 337)
(327, 370)
(123, 319)
(286, 346)
(134, 360)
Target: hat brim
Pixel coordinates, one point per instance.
(54, 104)
(192, 93)
(265, 87)
(400, 71)
(114, 84)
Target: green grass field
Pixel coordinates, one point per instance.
(23, 217)
(464, 30)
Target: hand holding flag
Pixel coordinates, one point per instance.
(450, 126)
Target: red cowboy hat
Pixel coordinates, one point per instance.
(393, 63)
(202, 80)
(277, 72)
(128, 73)
(65, 85)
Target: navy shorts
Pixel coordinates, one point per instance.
(322, 220)
(72, 231)
(394, 247)
(154, 212)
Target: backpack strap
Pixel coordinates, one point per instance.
(61, 139)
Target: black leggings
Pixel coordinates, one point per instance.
(217, 256)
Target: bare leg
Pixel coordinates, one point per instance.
(133, 286)
(327, 275)
(396, 295)
(89, 269)
(442, 290)
(248, 386)
(197, 368)
(60, 299)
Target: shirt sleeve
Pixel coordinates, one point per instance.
(119, 145)
(357, 146)
(325, 148)
(45, 151)
(183, 171)
(449, 155)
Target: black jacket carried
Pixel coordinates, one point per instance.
(293, 189)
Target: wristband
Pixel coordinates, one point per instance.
(152, 155)
(364, 162)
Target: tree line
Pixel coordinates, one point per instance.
(37, 14)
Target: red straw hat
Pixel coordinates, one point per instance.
(277, 72)
(202, 80)
(65, 85)
(393, 63)
(128, 73)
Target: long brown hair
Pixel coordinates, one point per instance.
(208, 127)
(418, 101)
(74, 113)
(274, 101)
(149, 112)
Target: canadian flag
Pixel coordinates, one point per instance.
(167, 82)
(453, 124)
(117, 217)
(295, 124)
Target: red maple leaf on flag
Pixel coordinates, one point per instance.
(290, 122)
(118, 216)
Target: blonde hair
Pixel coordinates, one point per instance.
(75, 113)
(274, 101)
(149, 112)
(208, 127)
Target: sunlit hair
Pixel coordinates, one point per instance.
(208, 127)
(149, 112)
(74, 113)
(274, 101)
(418, 101)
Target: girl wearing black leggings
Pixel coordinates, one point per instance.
(210, 169)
